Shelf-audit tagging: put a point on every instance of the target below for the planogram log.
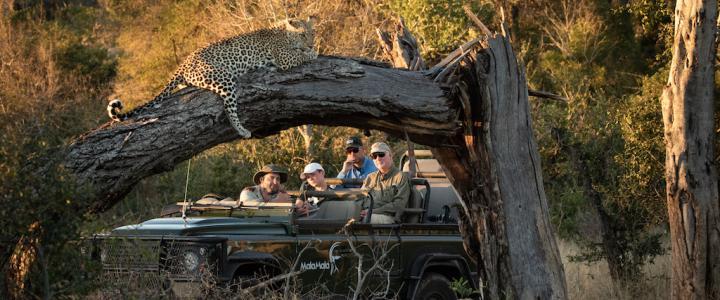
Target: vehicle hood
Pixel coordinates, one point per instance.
(206, 226)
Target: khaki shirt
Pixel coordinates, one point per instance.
(390, 191)
(253, 196)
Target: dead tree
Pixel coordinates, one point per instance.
(472, 109)
(692, 189)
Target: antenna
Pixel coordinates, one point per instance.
(185, 202)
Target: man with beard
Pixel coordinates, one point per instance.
(268, 186)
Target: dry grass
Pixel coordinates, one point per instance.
(592, 281)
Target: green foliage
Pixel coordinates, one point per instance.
(90, 62)
(35, 188)
(654, 28)
(602, 145)
(440, 26)
(45, 99)
(462, 288)
(642, 181)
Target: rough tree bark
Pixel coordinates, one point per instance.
(692, 188)
(402, 48)
(475, 116)
(496, 170)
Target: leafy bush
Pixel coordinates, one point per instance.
(42, 105)
(440, 26)
(462, 288)
(91, 62)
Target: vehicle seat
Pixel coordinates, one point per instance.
(337, 210)
(414, 210)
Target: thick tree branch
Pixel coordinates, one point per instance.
(329, 91)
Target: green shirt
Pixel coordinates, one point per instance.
(390, 191)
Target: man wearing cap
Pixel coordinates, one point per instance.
(389, 188)
(268, 186)
(314, 175)
(357, 165)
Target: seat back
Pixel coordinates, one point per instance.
(411, 215)
(338, 210)
(415, 208)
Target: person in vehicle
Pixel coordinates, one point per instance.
(356, 165)
(314, 176)
(389, 188)
(268, 186)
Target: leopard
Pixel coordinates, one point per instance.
(217, 66)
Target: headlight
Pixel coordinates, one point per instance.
(190, 260)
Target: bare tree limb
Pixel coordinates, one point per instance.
(548, 95)
(476, 20)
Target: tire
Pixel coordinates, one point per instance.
(434, 286)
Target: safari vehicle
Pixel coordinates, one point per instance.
(329, 251)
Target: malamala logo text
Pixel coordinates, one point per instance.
(315, 265)
(324, 265)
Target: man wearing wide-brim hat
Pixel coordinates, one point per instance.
(268, 186)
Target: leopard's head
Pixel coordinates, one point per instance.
(303, 28)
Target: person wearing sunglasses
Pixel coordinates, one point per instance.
(389, 187)
(356, 165)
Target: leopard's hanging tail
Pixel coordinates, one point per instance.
(115, 106)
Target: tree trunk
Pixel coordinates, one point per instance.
(402, 53)
(23, 257)
(306, 131)
(692, 190)
(496, 170)
(476, 119)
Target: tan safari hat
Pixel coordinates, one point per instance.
(380, 147)
(271, 168)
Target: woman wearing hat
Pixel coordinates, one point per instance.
(268, 186)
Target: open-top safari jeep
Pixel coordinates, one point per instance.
(329, 252)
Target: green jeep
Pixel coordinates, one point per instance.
(328, 252)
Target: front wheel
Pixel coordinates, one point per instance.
(434, 286)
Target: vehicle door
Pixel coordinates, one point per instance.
(329, 255)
